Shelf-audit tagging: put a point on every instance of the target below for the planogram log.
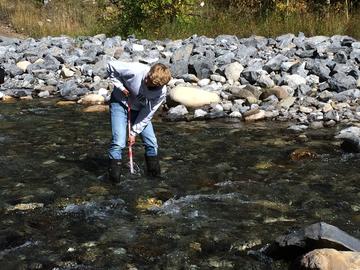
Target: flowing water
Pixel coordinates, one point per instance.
(226, 186)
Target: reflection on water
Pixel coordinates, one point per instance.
(226, 187)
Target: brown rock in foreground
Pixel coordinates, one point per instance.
(330, 259)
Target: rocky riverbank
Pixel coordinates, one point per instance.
(312, 80)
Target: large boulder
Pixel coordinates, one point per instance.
(193, 97)
(315, 236)
(350, 139)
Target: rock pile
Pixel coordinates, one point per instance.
(313, 80)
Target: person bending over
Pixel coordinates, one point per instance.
(143, 89)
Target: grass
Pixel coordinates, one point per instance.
(58, 18)
(75, 18)
(273, 25)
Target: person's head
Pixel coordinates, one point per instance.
(159, 75)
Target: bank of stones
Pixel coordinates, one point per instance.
(312, 80)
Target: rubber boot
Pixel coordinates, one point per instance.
(152, 165)
(115, 170)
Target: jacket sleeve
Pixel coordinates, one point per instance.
(146, 114)
(115, 76)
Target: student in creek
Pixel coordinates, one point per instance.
(142, 89)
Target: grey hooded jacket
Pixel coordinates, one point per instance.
(131, 76)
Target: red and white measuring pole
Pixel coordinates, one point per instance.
(131, 162)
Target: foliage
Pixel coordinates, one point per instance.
(182, 18)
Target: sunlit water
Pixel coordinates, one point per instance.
(226, 185)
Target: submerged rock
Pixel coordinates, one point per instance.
(302, 153)
(25, 206)
(10, 239)
(96, 108)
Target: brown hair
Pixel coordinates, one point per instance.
(159, 75)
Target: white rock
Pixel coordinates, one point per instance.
(327, 107)
(1, 95)
(97, 79)
(199, 113)
(43, 94)
(39, 61)
(166, 54)
(23, 65)
(233, 71)
(212, 87)
(179, 110)
(313, 79)
(227, 105)
(173, 82)
(138, 47)
(203, 82)
(92, 99)
(66, 72)
(239, 102)
(257, 116)
(235, 114)
(294, 80)
(285, 66)
(304, 109)
(218, 78)
(217, 108)
(192, 96)
(160, 48)
(103, 92)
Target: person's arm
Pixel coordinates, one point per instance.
(146, 114)
(119, 72)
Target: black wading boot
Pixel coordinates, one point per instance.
(115, 170)
(152, 166)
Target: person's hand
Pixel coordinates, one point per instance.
(131, 140)
(126, 92)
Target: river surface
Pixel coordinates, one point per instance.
(226, 186)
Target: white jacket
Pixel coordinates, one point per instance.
(131, 76)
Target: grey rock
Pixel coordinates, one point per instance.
(298, 128)
(217, 78)
(325, 96)
(66, 88)
(265, 81)
(251, 74)
(341, 57)
(285, 41)
(332, 115)
(178, 110)
(299, 69)
(182, 54)
(245, 52)
(225, 59)
(274, 64)
(299, 242)
(189, 78)
(100, 69)
(304, 89)
(200, 66)
(351, 141)
(341, 82)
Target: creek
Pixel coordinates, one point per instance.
(226, 186)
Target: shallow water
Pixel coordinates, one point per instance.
(226, 186)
